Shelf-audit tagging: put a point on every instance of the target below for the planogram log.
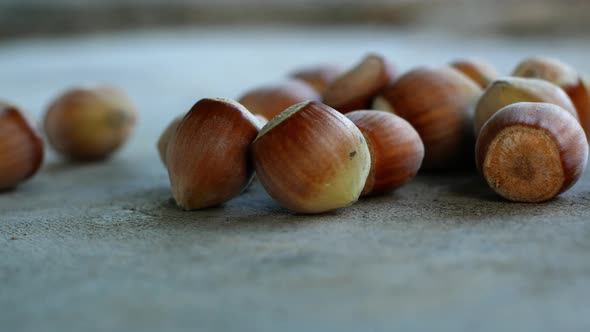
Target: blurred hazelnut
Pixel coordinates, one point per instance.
(270, 100)
(88, 124)
(21, 147)
(355, 89)
(479, 70)
(438, 103)
(318, 77)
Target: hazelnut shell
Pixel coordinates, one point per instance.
(270, 100)
(318, 77)
(564, 76)
(395, 146)
(438, 103)
(531, 152)
(207, 156)
(89, 124)
(311, 159)
(509, 90)
(21, 147)
(355, 89)
(479, 70)
(165, 137)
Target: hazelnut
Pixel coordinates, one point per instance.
(355, 89)
(395, 146)
(165, 137)
(311, 159)
(89, 124)
(508, 90)
(271, 100)
(171, 129)
(21, 147)
(479, 70)
(207, 156)
(318, 77)
(564, 76)
(438, 103)
(531, 152)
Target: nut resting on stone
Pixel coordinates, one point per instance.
(165, 137)
(564, 76)
(438, 103)
(318, 77)
(21, 147)
(271, 100)
(355, 89)
(480, 71)
(311, 159)
(88, 124)
(395, 146)
(207, 157)
(531, 152)
(509, 90)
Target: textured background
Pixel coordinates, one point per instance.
(506, 17)
(101, 247)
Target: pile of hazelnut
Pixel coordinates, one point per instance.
(324, 137)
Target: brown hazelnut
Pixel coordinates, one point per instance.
(21, 147)
(438, 103)
(311, 159)
(165, 137)
(395, 146)
(531, 152)
(89, 124)
(207, 156)
(318, 77)
(508, 90)
(355, 89)
(564, 76)
(271, 100)
(479, 70)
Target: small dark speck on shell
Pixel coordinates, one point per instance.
(352, 154)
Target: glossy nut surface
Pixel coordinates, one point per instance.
(438, 103)
(356, 88)
(509, 90)
(531, 152)
(88, 124)
(21, 147)
(311, 159)
(207, 157)
(270, 100)
(395, 146)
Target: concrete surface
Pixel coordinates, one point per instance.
(102, 248)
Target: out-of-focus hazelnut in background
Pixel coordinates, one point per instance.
(515, 18)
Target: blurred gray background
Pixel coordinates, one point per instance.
(39, 17)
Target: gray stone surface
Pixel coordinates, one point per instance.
(102, 248)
